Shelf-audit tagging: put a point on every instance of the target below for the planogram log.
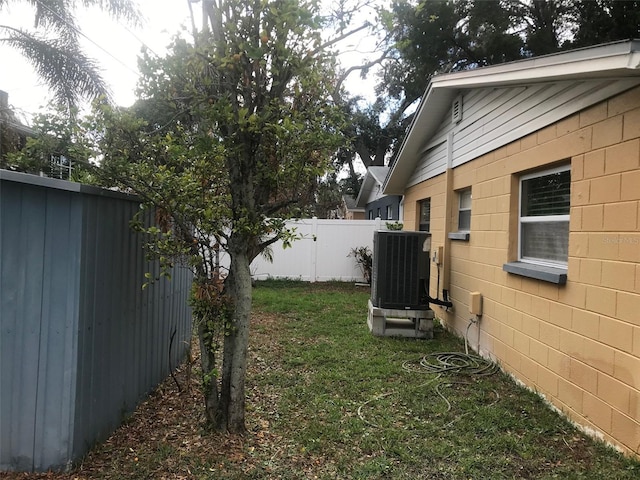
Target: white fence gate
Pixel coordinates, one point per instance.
(322, 254)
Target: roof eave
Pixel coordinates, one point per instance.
(366, 187)
(618, 59)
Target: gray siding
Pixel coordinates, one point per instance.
(382, 203)
(494, 117)
(433, 162)
(81, 343)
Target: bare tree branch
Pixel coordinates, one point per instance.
(354, 68)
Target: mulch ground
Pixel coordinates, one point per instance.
(166, 437)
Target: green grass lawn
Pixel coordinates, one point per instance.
(362, 407)
(327, 400)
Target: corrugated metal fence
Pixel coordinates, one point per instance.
(80, 342)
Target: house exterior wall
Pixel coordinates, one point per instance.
(381, 204)
(494, 116)
(577, 344)
(354, 215)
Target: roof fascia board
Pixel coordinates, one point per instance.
(437, 100)
(621, 65)
(376, 172)
(362, 198)
(368, 183)
(610, 60)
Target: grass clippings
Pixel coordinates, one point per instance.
(327, 400)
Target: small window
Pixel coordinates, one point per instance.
(389, 213)
(425, 215)
(378, 214)
(464, 210)
(371, 215)
(544, 217)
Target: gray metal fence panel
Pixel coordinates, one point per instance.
(80, 341)
(59, 319)
(39, 258)
(124, 330)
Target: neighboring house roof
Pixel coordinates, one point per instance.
(11, 125)
(19, 128)
(350, 203)
(613, 60)
(374, 177)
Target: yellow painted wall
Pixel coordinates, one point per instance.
(577, 344)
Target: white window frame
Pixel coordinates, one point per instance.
(539, 219)
(389, 212)
(465, 209)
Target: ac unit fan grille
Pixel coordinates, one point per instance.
(400, 270)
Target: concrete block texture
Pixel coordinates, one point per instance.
(577, 344)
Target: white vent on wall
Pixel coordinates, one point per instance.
(456, 109)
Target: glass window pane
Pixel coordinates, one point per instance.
(464, 220)
(545, 241)
(546, 195)
(465, 199)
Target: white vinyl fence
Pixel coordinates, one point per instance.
(322, 254)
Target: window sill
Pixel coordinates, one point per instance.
(548, 274)
(463, 236)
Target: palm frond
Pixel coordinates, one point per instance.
(56, 55)
(64, 67)
(119, 9)
(56, 16)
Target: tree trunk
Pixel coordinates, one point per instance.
(210, 376)
(232, 395)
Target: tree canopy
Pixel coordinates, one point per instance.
(58, 147)
(424, 38)
(228, 139)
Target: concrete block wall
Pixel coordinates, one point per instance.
(577, 344)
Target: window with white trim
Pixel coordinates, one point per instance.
(389, 212)
(464, 210)
(544, 217)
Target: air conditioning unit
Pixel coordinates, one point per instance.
(400, 273)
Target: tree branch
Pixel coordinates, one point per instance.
(335, 40)
(366, 66)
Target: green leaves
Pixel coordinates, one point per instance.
(228, 139)
(62, 147)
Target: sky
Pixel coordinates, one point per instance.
(114, 44)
